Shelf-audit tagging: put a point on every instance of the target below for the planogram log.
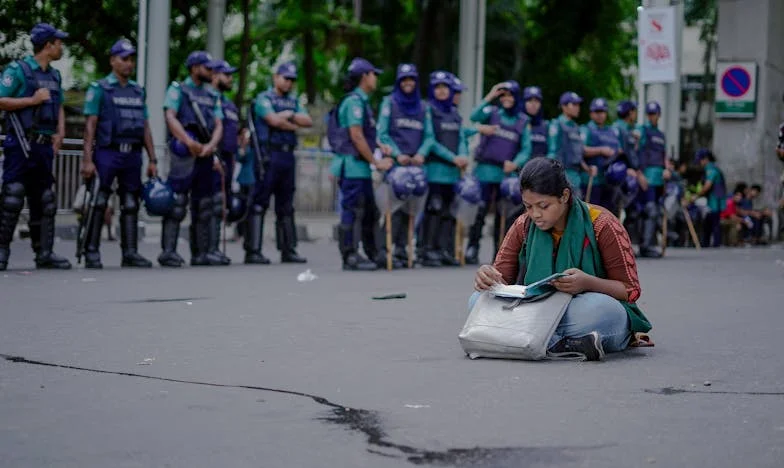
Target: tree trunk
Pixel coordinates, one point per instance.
(245, 45)
(308, 43)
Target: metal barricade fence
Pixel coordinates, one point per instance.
(316, 190)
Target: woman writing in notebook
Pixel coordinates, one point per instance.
(560, 233)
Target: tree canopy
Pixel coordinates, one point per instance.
(559, 45)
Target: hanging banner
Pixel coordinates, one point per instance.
(656, 51)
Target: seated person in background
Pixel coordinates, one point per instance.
(731, 223)
(781, 209)
(561, 233)
(744, 211)
(760, 215)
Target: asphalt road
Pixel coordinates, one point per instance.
(247, 367)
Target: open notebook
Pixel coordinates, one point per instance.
(517, 291)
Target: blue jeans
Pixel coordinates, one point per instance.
(588, 312)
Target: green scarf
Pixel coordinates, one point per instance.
(577, 249)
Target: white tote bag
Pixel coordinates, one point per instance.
(507, 328)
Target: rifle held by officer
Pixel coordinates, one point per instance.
(87, 219)
(261, 156)
(20, 134)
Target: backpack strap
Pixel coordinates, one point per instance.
(522, 269)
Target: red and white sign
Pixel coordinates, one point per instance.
(656, 52)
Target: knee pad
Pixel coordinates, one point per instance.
(256, 209)
(48, 203)
(651, 210)
(204, 209)
(435, 203)
(101, 200)
(13, 197)
(178, 211)
(217, 204)
(130, 203)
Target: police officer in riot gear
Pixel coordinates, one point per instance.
(32, 97)
(277, 115)
(445, 159)
(195, 121)
(405, 125)
(222, 81)
(117, 125)
(628, 133)
(602, 146)
(532, 95)
(653, 156)
(565, 142)
(352, 135)
(505, 147)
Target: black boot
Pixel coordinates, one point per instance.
(11, 203)
(475, 236)
(171, 232)
(430, 231)
(200, 241)
(400, 237)
(92, 240)
(348, 248)
(129, 233)
(215, 229)
(374, 244)
(447, 241)
(287, 240)
(650, 226)
(46, 258)
(254, 232)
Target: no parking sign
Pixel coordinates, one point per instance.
(736, 90)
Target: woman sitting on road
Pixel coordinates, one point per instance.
(559, 233)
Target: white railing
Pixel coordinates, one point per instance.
(316, 191)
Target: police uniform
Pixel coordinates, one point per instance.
(652, 157)
(628, 135)
(280, 173)
(353, 172)
(442, 174)
(595, 136)
(119, 138)
(716, 198)
(538, 124)
(510, 142)
(538, 129)
(565, 143)
(402, 126)
(227, 148)
(31, 178)
(190, 174)
(628, 140)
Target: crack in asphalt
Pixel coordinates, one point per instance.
(677, 391)
(369, 423)
(162, 300)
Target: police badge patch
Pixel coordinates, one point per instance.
(357, 112)
(90, 95)
(8, 80)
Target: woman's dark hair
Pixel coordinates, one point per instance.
(544, 176)
(351, 81)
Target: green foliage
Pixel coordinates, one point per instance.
(584, 46)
